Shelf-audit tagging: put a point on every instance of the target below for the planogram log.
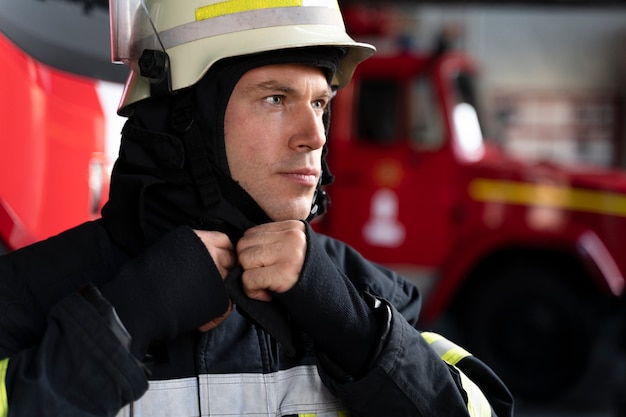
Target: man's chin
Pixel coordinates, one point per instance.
(289, 213)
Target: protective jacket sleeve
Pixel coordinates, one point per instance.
(79, 368)
(80, 361)
(406, 373)
(172, 288)
(32, 320)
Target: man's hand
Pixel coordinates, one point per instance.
(223, 254)
(220, 248)
(272, 256)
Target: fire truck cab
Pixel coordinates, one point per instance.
(523, 259)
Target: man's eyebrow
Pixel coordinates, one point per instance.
(274, 85)
(277, 86)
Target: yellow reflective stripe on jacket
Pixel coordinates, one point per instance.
(448, 351)
(451, 353)
(4, 400)
(477, 403)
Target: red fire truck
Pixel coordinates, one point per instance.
(523, 260)
(54, 103)
(51, 171)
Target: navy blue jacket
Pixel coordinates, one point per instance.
(65, 354)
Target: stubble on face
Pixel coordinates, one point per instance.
(274, 136)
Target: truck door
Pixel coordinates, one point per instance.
(388, 150)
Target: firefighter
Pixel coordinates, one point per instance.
(203, 289)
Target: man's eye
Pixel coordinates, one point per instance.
(319, 104)
(274, 99)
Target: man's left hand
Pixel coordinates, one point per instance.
(271, 256)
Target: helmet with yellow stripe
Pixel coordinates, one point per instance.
(182, 39)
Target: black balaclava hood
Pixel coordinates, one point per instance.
(172, 168)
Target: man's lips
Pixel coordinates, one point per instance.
(307, 177)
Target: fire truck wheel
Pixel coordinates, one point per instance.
(530, 327)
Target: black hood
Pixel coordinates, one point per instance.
(172, 168)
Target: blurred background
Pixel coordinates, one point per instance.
(481, 153)
(552, 76)
(549, 88)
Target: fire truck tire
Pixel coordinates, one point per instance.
(531, 328)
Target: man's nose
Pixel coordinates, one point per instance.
(308, 130)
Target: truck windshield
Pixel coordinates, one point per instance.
(392, 110)
(379, 102)
(425, 121)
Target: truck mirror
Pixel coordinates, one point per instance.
(468, 133)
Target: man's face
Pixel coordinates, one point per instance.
(274, 135)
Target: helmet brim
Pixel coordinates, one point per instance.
(186, 69)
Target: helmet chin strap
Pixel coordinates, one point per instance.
(321, 200)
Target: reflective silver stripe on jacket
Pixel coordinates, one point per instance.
(291, 392)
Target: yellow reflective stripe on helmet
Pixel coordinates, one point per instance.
(448, 351)
(237, 6)
(451, 353)
(4, 400)
(243, 21)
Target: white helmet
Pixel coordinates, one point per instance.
(195, 34)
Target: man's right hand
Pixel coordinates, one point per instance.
(221, 249)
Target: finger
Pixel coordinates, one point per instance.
(274, 242)
(216, 321)
(224, 258)
(259, 283)
(275, 227)
(259, 295)
(213, 238)
(220, 248)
